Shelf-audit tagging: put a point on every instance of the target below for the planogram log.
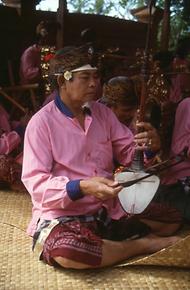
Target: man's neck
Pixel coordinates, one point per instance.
(75, 107)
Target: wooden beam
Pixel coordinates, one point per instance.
(61, 18)
(165, 36)
(27, 6)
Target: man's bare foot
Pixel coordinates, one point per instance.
(155, 243)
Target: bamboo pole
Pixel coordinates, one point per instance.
(15, 103)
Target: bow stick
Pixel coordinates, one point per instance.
(134, 181)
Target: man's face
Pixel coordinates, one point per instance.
(84, 86)
(124, 113)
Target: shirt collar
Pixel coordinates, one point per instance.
(65, 110)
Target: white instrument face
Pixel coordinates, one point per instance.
(135, 198)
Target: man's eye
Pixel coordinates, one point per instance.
(84, 77)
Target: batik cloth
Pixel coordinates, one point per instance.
(80, 239)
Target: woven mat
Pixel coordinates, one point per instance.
(20, 268)
(15, 209)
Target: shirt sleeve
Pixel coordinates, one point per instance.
(8, 142)
(45, 188)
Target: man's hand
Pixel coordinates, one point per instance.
(100, 187)
(148, 138)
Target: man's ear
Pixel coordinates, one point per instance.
(61, 81)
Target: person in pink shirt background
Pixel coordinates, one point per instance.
(34, 62)
(180, 142)
(30, 63)
(77, 219)
(180, 81)
(11, 141)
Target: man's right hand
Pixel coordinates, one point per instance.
(100, 187)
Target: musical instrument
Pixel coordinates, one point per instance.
(139, 188)
(135, 197)
(140, 191)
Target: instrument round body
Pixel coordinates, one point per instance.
(135, 198)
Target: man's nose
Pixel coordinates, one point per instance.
(93, 82)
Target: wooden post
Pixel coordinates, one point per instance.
(61, 18)
(27, 7)
(165, 36)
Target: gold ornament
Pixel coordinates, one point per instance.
(46, 54)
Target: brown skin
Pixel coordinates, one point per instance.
(85, 87)
(150, 133)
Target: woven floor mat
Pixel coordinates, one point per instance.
(15, 208)
(20, 270)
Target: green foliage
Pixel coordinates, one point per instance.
(180, 12)
(118, 8)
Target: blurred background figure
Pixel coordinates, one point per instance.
(120, 94)
(180, 81)
(11, 145)
(34, 64)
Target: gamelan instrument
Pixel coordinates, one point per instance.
(139, 188)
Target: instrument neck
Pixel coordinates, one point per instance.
(138, 161)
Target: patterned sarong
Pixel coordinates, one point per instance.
(80, 238)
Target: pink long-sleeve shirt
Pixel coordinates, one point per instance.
(57, 150)
(10, 139)
(180, 141)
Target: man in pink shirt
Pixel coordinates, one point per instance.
(70, 144)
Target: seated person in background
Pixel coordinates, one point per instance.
(77, 219)
(11, 141)
(180, 81)
(180, 142)
(30, 64)
(120, 94)
(34, 64)
(175, 188)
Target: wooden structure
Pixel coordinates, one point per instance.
(17, 30)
